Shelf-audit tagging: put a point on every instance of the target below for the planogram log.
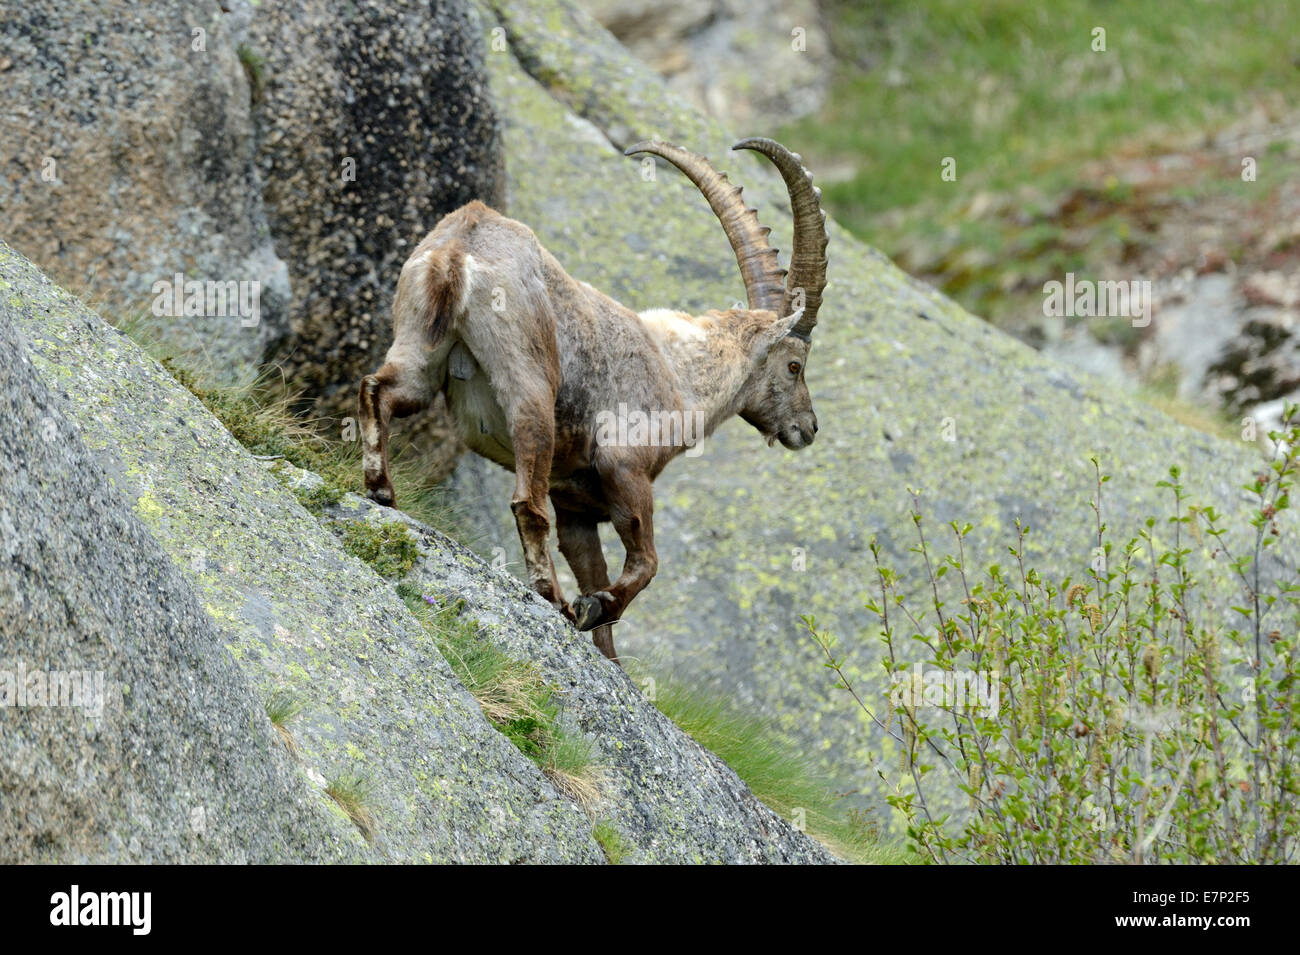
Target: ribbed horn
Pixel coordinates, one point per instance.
(808, 258)
(763, 275)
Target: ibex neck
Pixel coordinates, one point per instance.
(710, 355)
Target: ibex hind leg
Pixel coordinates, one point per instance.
(394, 391)
(533, 439)
(517, 350)
(580, 545)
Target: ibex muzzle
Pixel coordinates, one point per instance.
(583, 399)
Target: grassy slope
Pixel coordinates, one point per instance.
(778, 773)
(1014, 92)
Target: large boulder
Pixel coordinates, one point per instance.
(306, 147)
(373, 121)
(129, 734)
(910, 391)
(168, 556)
(296, 612)
(127, 156)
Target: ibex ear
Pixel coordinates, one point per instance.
(782, 327)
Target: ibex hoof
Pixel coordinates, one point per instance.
(589, 610)
(381, 495)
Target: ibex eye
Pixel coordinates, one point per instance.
(794, 367)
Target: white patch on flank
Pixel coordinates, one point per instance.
(470, 268)
(415, 262)
(671, 324)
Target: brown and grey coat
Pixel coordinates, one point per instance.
(534, 363)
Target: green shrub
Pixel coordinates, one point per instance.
(1135, 719)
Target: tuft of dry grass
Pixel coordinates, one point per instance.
(282, 707)
(262, 413)
(567, 763)
(352, 793)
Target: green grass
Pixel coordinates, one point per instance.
(282, 708)
(611, 841)
(1013, 90)
(263, 416)
(513, 696)
(781, 776)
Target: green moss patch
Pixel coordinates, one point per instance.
(389, 548)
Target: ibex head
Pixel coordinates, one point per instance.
(775, 398)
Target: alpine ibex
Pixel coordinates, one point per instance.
(535, 363)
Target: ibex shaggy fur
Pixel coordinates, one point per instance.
(534, 364)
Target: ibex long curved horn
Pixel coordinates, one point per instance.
(808, 258)
(763, 275)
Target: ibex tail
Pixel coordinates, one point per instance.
(440, 290)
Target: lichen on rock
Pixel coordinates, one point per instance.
(295, 611)
(910, 391)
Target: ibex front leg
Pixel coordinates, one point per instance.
(630, 496)
(393, 391)
(580, 545)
